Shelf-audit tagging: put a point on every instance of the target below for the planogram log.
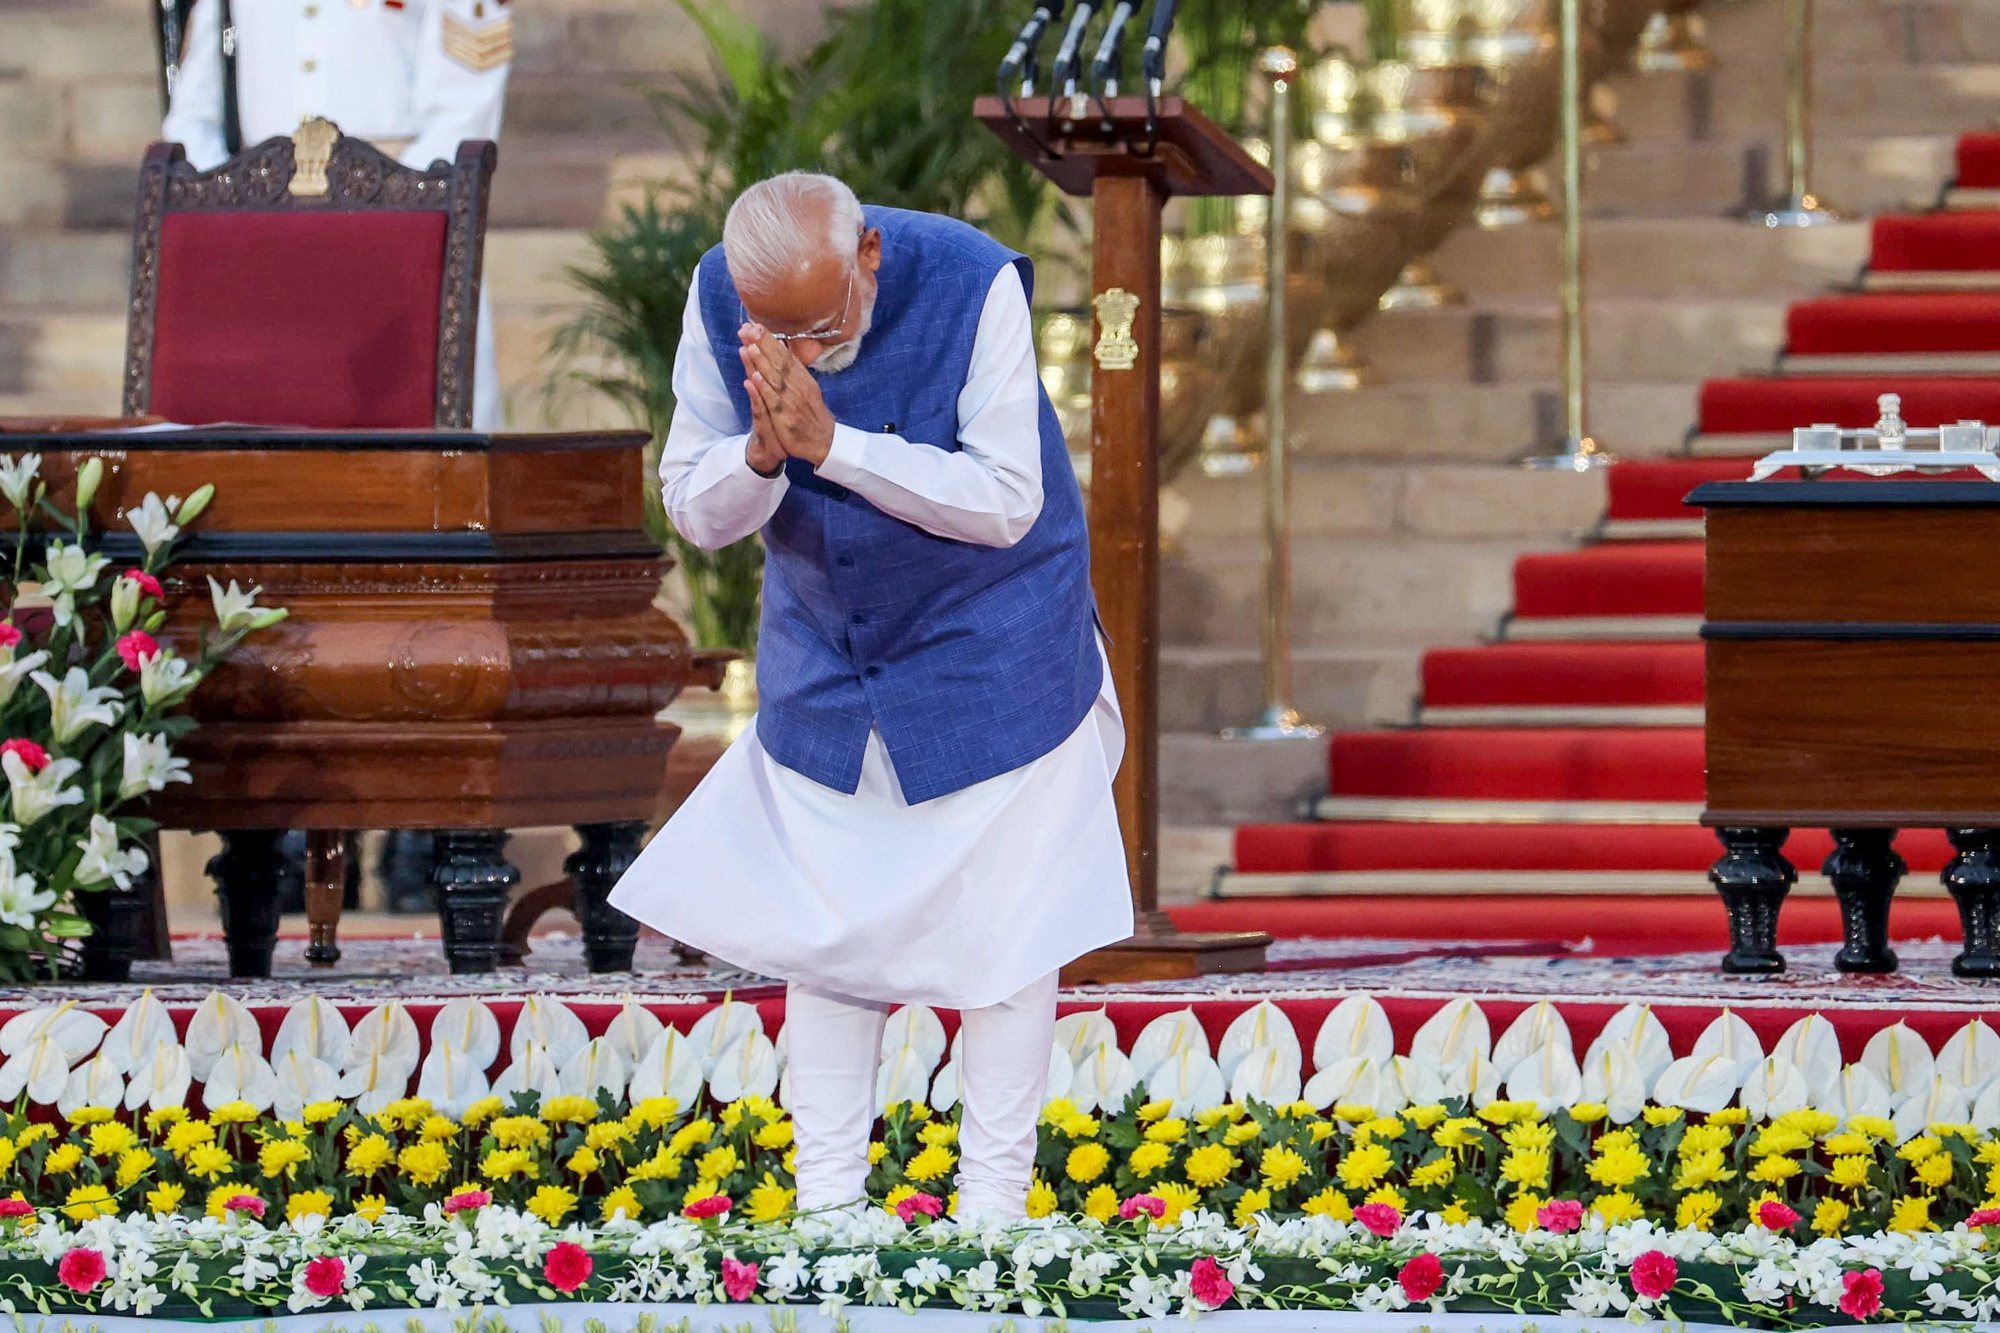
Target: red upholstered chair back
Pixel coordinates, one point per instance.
(309, 281)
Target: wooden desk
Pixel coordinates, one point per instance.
(472, 647)
(1853, 683)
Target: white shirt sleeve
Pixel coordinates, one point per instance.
(990, 490)
(451, 101)
(711, 493)
(194, 120)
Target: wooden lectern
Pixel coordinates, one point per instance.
(1129, 163)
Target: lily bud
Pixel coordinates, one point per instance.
(87, 478)
(124, 603)
(154, 621)
(266, 617)
(191, 507)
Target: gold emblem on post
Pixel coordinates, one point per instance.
(312, 151)
(1116, 348)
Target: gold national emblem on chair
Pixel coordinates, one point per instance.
(312, 152)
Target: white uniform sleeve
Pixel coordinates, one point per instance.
(990, 490)
(711, 493)
(451, 100)
(194, 120)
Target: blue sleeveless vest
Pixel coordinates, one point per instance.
(970, 660)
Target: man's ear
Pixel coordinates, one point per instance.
(870, 254)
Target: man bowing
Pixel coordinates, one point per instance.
(922, 812)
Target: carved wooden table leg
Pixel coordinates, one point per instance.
(1973, 876)
(1753, 877)
(1865, 870)
(473, 878)
(326, 890)
(246, 874)
(609, 936)
(117, 920)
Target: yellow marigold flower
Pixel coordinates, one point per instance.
(1458, 1132)
(369, 1155)
(701, 1189)
(370, 1207)
(1621, 1166)
(1434, 1174)
(1947, 1129)
(1874, 1126)
(439, 1128)
(1850, 1172)
(1526, 1168)
(1935, 1171)
(938, 1131)
(777, 1136)
(1699, 1139)
(583, 1161)
(1281, 1167)
(664, 1164)
(1456, 1213)
(1830, 1217)
(1423, 1117)
(552, 1203)
(1774, 1170)
(1661, 1115)
(408, 1112)
(607, 1134)
(1508, 1112)
(1101, 1203)
(63, 1159)
(1520, 1214)
(1775, 1139)
(1847, 1144)
(1176, 1197)
(691, 1135)
(318, 1113)
(1809, 1121)
(164, 1117)
(520, 1131)
(1041, 1199)
(1156, 1110)
(233, 1113)
(209, 1162)
(1390, 1195)
(111, 1138)
(91, 1115)
(1354, 1113)
(1385, 1127)
(654, 1113)
(1253, 1202)
(1148, 1158)
(1703, 1169)
(1920, 1147)
(1057, 1109)
(896, 1194)
(483, 1110)
(623, 1200)
(164, 1199)
(717, 1163)
(184, 1136)
(7, 1153)
(931, 1162)
(1363, 1168)
(1988, 1153)
(34, 1133)
(1086, 1162)
(424, 1163)
(1215, 1115)
(1167, 1131)
(571, 1110)
(1616, 1207)
(282, 1157)
(1538, 1137)
(768, 1200)
(1321, 1130)
(732, 1114)
(1239, 1134)
(132, 1166)
(1698, 1210)
(1080, 1126)
(1728, 1115)
(1911, 1213)
(308, 1203)
(88, 1201)
(1210, 1165)
(1329, 1202)
(1588, 1113)
(506, 1163)
(1297, 1110)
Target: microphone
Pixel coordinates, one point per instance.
(1103, 65)
(1063, 74)
(1021, 55)
(1153, 56)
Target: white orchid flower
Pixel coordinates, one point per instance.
(17, 478)
(153, 521)
(75, 705)
(35, 794)
(165, 678)
(105, 858)
(149, 766)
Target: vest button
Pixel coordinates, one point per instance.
(873, 673)
(837, 492)
(844, 561)
(857, 619)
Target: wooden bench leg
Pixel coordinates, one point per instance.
(609, 936)
(1753, 877)
(326, 892)
(1974, 880)
(474, 879)
(246, 874)
(1865, 870)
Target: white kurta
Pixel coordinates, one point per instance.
(958, 901)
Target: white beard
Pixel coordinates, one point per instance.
(840, 358)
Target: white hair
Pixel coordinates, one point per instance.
(787, 223)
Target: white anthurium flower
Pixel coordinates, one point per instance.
(1642, 1035)
(105, 858)
(1452, 1036)
(92, 1083)
(71, 569)
(1901, 1059)
(166, 677)
(1104, 1078)
(1537, 1027)
(715, 1031)
(1355, 1081)
(671, 1067)
(1775, 1087)
(386, 1033)
(17, 478)
(1477, 1080)
(633, 1030)
(154, 523)
(1267, 1074)
(1985, 1113)
(1547, 1077)
(1191, 1081)
(1855, 1092)
(1704, 1083)
(75, 705)
(36, 794)
(1262, 1024)
(41, 1070)
(240, 1074)
(149, 766)
(750, 1069)
(1939, 1101)
(451, 1080)
(14, 670)
(902, 1075)
(1166, 1037)
(22, 902)
(1734, 1040)
(918, 1027)
(944, 1088)
(471, 1027)
(375, 1082)
(1358, 1026)
(1611, 1078)
(1062, 1075)
(1084, 1031)
(599, 1067)
(75, 1031)
(1812, 1045)
(302, 1079)
(530, 1071)
(218, 1023)
(1970, 1057)
(314, 1028)
(161, 1079)
(142, 1027)
(1405, 1082)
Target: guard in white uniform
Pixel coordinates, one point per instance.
(413, 77)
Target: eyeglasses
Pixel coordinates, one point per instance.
(831, 336)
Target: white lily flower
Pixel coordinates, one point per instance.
(302, 1079)
(386, 1035)
(21, 902)
(165, 678)
(17, 478)
(235, 609)
(154, 523)
(1358, 1026)
(1549, 1076)
(150, 766)
(71, 569)
(105, 858)
(1539, 1026)
(1191, 1081)
(1452, 1036)
(1078, 1033)
(14, 670)
(531, 1071)
(35, 794)
(1354, 1081)
(75, 705)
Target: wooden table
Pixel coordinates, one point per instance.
(1852, 634)
(472, 647)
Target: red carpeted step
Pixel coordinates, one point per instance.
(1886, 322)
(1520, 764)
(1766, 405)
(1978, 161)
(1935, 242)
(1615, 579)
(1653, 488)
(1580, 675)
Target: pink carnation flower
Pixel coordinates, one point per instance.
(1654, 1274)
(135, 647)
(13, 1209)
(1561, 1216)
(739, 1280)
(80, 1270)
(1421, 1277)
(713, 1205)
(1379, 1218)
(466, 1201)
(326, 1276)
(1861, 1293)
(1209, 1285)
(919, 1205)
(1775, 1216)
(10, 634)
(1984, 1217)
(1152, 1205)
(567, 1267)
(33, 755)
(147, 584)
(244, 1203)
